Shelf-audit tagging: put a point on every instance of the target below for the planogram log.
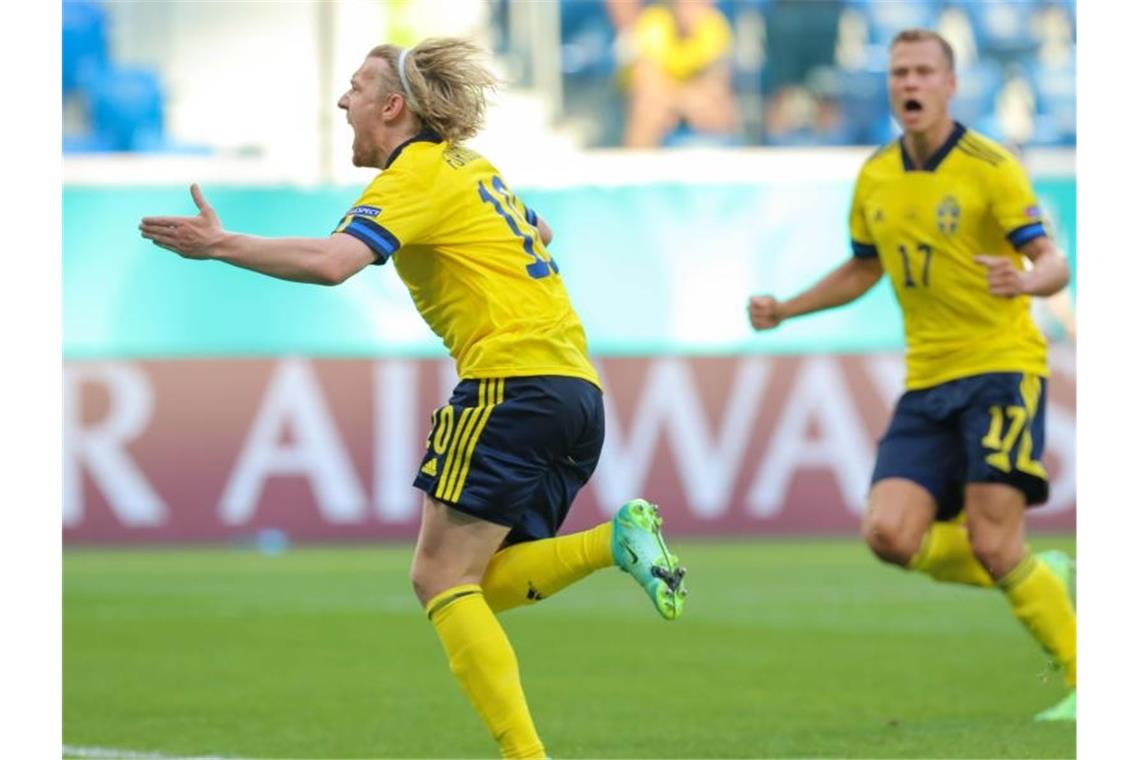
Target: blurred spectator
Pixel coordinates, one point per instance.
(851, 40)
(1054, 32)
(802, 116)
(810, 72)
(954, 25)
(678, 72)
(1014, 111)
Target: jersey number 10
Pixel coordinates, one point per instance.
(509, 209)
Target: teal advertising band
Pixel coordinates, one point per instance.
(652, 269)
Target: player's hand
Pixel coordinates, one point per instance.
(189, 236)
(1004, 278)
(764, 312)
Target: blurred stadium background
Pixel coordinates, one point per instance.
(207, 405)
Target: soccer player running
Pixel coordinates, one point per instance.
(950, 217)
(523, 429)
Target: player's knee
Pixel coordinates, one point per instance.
(996, 552)
(889, 550)
(427, 579)
(420, 582)
(889, 541)
(432, 575)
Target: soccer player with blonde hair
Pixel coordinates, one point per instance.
(523, 429)
(950, 216)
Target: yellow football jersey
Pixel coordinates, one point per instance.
(471, 256)
(925, 226)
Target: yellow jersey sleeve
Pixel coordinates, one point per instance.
(1014, 204)
(393, 211)
(862, 244)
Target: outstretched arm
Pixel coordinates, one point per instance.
(322, 261)
(842, 285)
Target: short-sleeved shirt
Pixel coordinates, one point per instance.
(925, 226)
(471, 256)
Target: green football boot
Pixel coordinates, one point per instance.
(639, 549)
(1063, 566)
(1066, 709)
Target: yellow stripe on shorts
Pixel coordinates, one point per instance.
(495, 396)
(1031, 395)
(447, 482)
(449, 462)
(461, 429)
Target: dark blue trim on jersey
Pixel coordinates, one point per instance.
(973, 149)
(864, 250)
(939, 155)
(425, 135)
(379, 240)
(1025, 233)
(531, 217)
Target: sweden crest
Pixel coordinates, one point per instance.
(949, 213)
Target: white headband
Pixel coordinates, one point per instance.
(404, 80)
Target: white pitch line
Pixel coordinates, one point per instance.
(108, 753)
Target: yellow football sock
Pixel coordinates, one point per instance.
(1041, 602)
(528, 572)
(945, 555)
(482, 659)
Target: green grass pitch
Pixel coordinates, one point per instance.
(786, 649)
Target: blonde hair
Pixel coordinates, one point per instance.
(921, 35)
(446, 84)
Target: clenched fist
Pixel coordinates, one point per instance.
(1003, 277)
(764, 312)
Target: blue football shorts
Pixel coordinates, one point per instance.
(987, 428)
(514, 451)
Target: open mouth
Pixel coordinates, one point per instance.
(912, 106)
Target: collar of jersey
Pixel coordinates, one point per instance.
(939, 155)
(424, 135)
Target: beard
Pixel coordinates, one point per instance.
(362, 155)
(355, 148)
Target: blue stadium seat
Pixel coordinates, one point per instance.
(126, 108)
(499, 23)
(746, 18)
(685, 136)
(84, 43)
(1056, 91)
(732, 8)
(1002, 29)
(886, 19)
(587, 40)
(978, 87)
(87, 143)
(840, 135)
